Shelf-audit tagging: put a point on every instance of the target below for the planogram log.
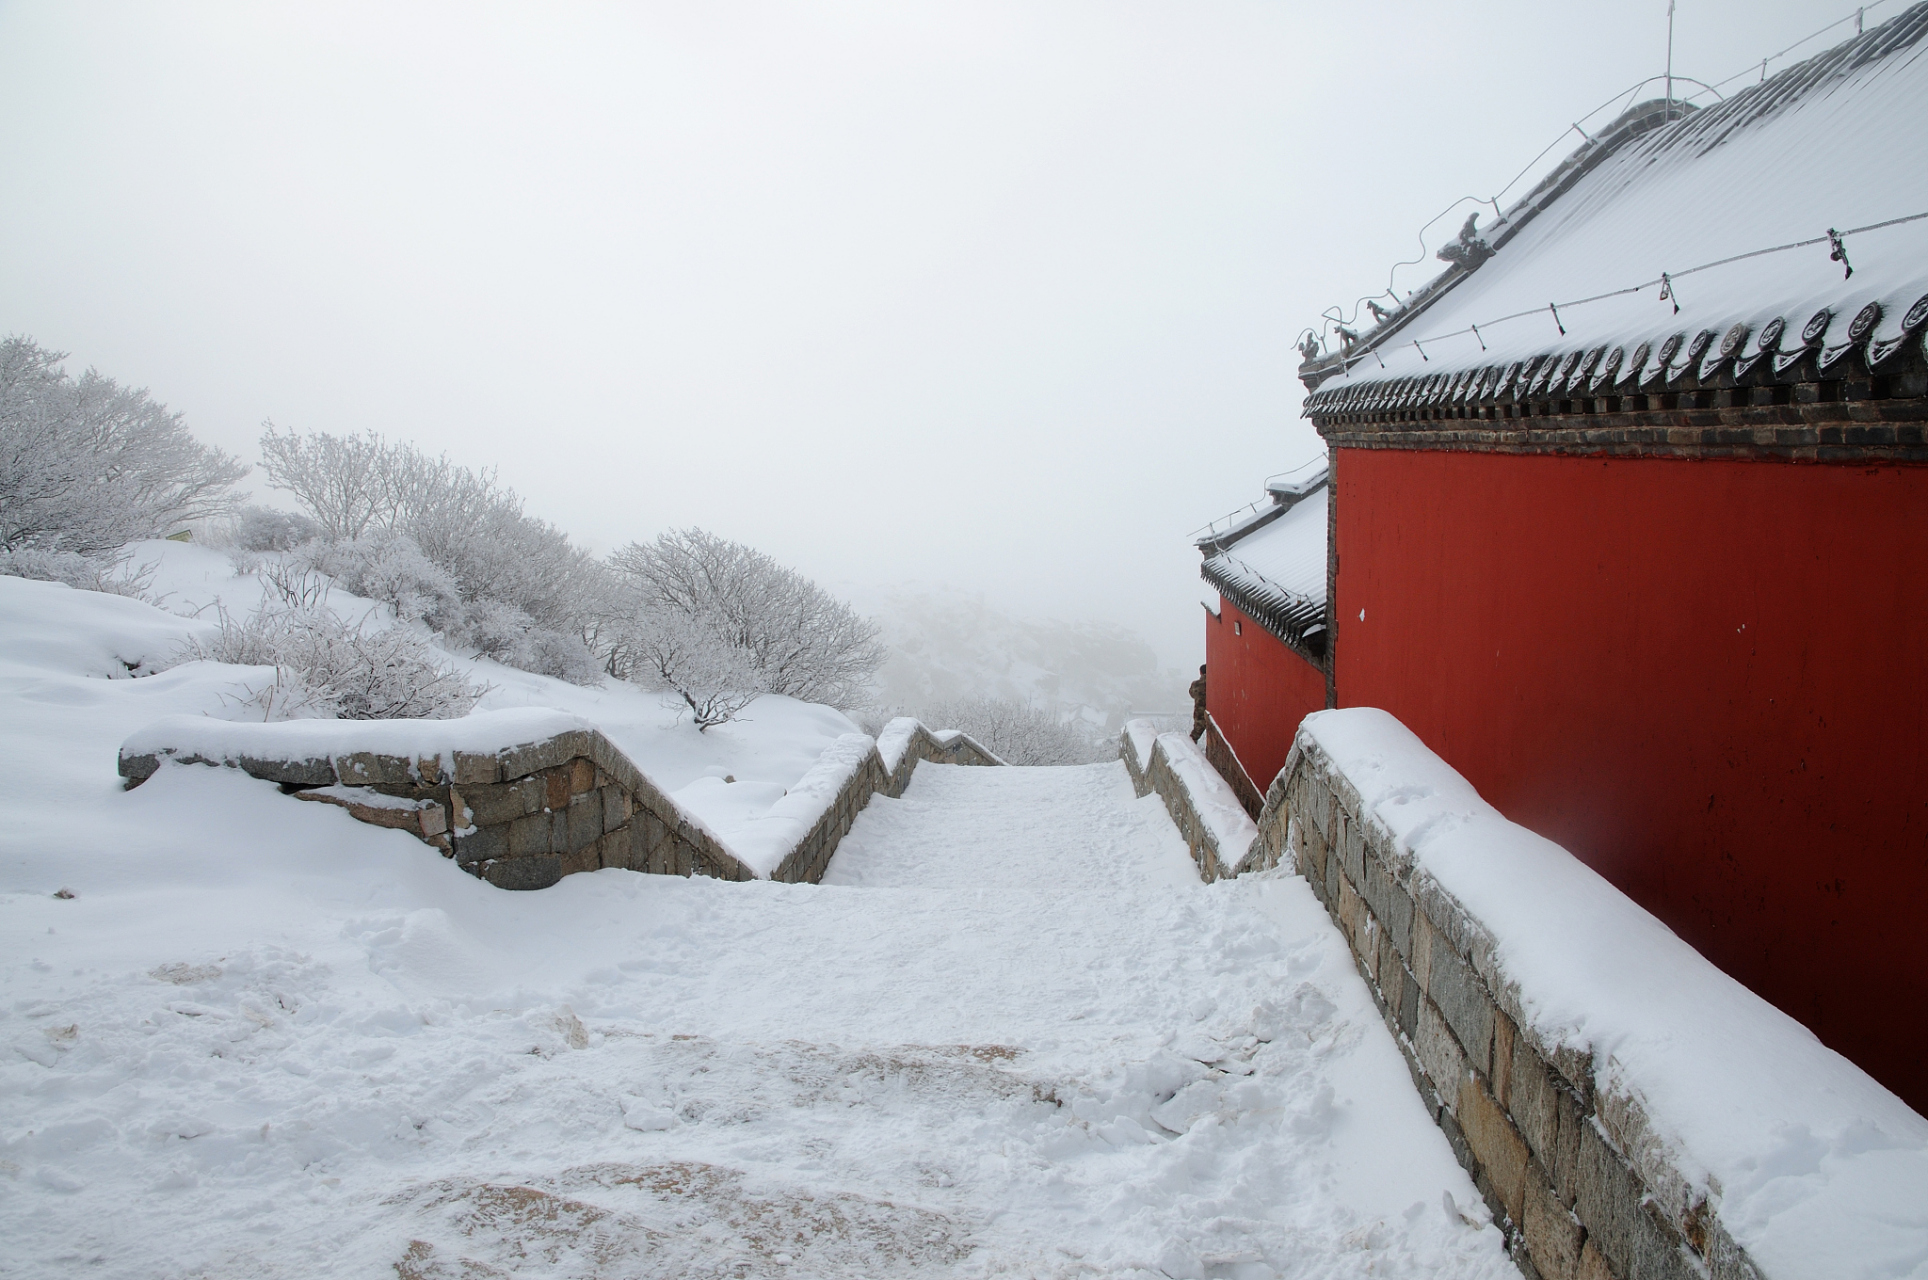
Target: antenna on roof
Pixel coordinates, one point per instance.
(1670, 59)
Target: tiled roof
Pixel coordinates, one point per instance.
(1276, 572)
(1569, 302)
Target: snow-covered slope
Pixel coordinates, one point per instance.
(1010, 1034)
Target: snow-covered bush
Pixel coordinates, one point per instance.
(108, 573)
(87, 465)
(795, 637)
(265, 529)
(688, 655)
(391, 568)
(445, 544)
(327, 669)
(511, 637)
(1015, 732)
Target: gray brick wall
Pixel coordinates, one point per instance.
(528, 815)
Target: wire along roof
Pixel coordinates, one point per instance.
(1763, 226)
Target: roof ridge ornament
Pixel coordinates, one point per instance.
(1667, 291)
(1838, 252)
(1469, 250)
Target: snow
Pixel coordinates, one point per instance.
(1212, 797)
(1816, 1169)
(52, 627)
(1010, 1034)
(1696, 192)
(485, 732)
(951, 737)
(1143, 735)
(367, 797)
(894, 739)
(762, 840)
(1289, 553)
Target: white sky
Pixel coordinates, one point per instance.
(999, 296)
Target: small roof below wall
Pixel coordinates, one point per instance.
(1276, 574)
(1284, 491)
(1747, 216)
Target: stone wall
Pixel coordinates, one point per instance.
(524, 816)
(1572, 1176)
(904, 741)
(1203, 806)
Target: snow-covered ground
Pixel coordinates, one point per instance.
(1011, 1034)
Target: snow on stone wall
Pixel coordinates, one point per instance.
(1626, 1108)
(522, 798)
(1202, 805)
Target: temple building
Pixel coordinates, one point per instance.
(1626, 516)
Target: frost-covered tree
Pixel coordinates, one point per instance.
(446, 544)
(263, 529)
(87, 465)
(688, 655)
(798, 638)
(343, 482)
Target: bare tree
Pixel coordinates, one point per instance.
(342, 481)
(87, 465)
(798, 638)
(446, 544)
(687, 655)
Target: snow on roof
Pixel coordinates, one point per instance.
(1829, 144)
(1277, 573)
(1282, 491)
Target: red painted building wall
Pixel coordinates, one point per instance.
(1257, 690)
(1708, 679)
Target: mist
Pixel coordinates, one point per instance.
(986, 305)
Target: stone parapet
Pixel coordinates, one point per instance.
(1553, 1122)
(1205, 808)
(905, 741)
(1569, 1167)
(522, 815)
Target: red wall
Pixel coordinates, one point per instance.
(1257, 690)
(1709, 680)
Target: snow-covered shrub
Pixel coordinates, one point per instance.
(391, 568)
(87, 465)
(797, 638)
(265, 529)
(292, 584)
(326, 668)
(688, 655)
(511, 637)
(1015, 732)
(446, 544)
(107, 573)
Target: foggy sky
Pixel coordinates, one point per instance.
(997, 296)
